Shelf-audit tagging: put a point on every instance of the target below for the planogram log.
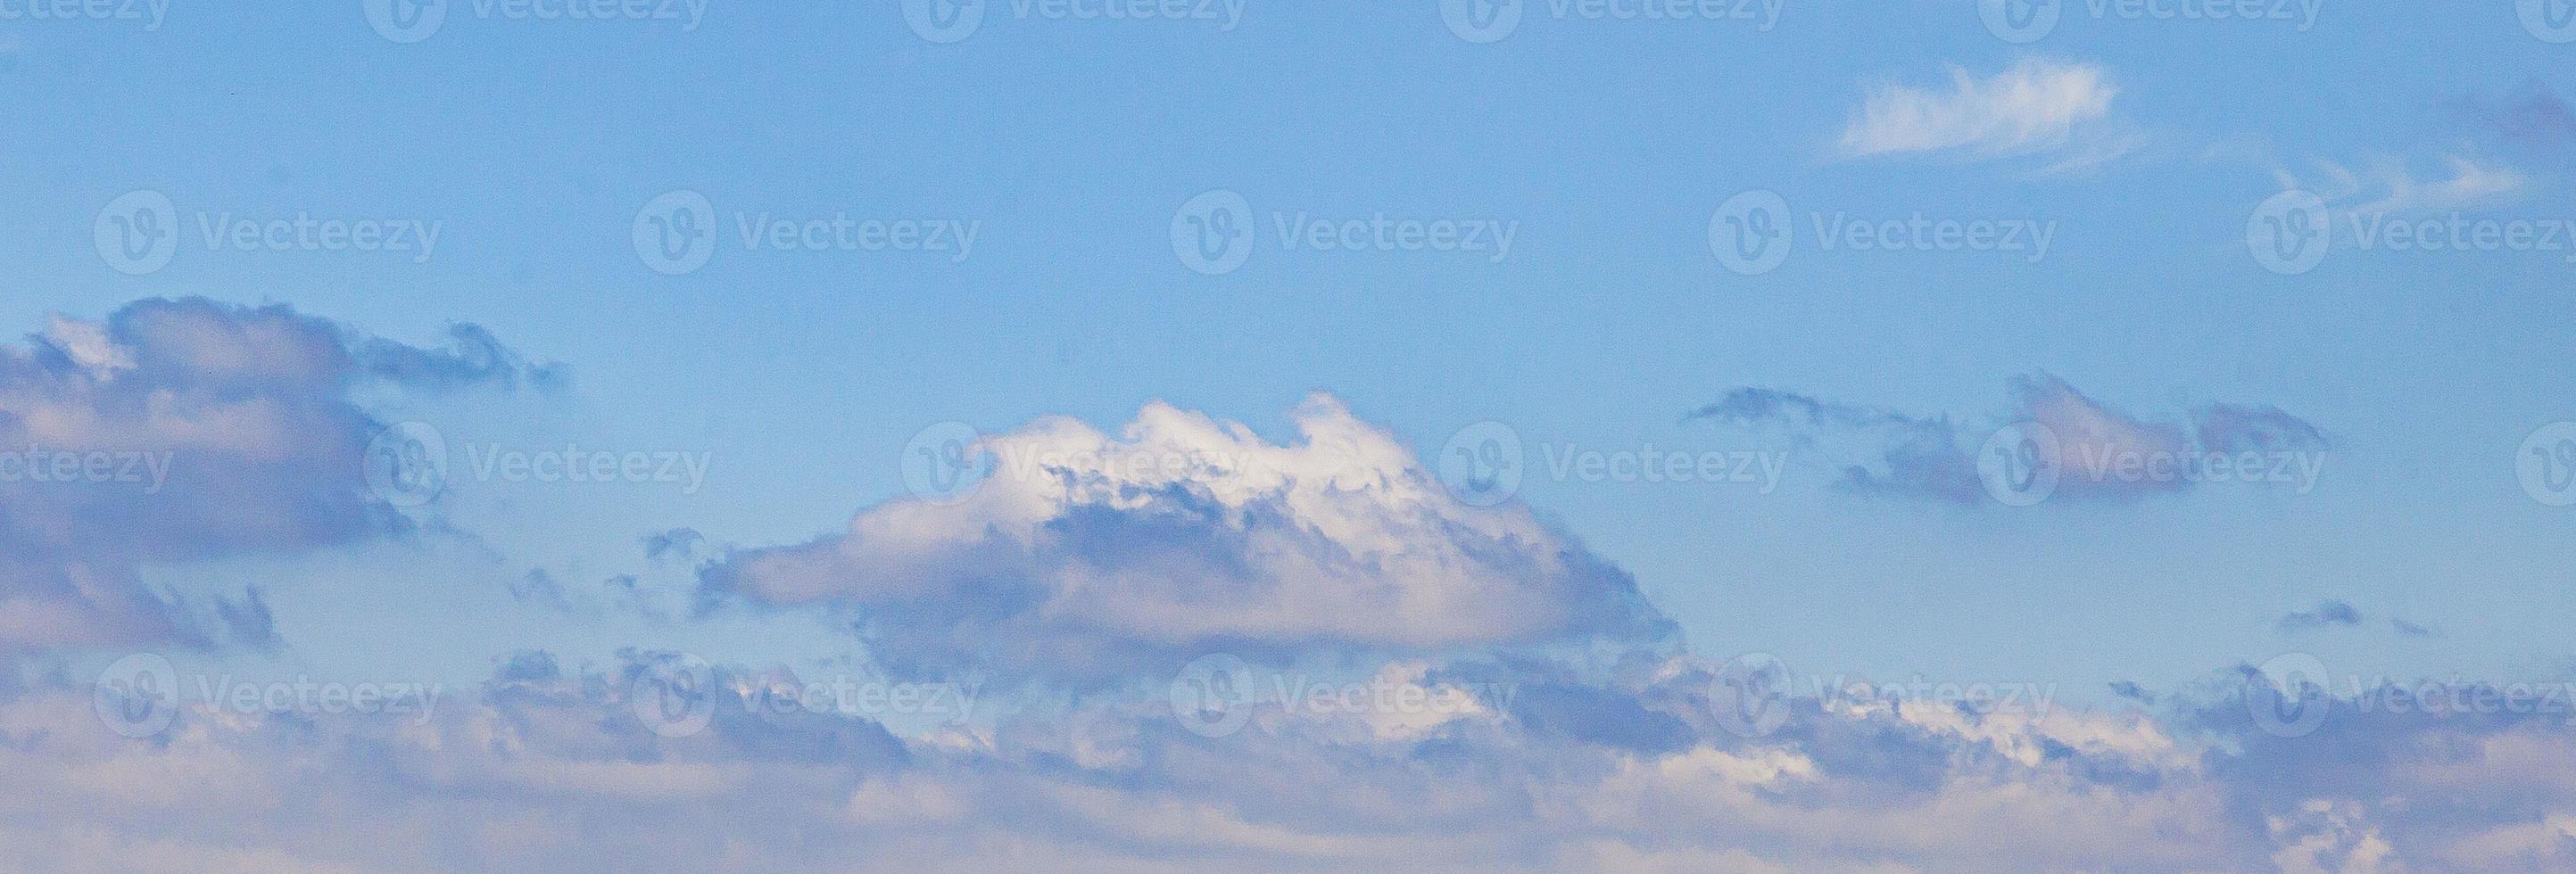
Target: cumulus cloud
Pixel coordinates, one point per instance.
(2033, 107)
(1370, 751)
(178, 430)
(1900, 454)
(1088, 554)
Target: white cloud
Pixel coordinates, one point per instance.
(2033, 107)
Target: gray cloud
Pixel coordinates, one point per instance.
(179, 430)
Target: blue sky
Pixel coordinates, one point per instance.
(1048, 163)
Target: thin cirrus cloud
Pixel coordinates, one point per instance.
(1898, 454)
(2036, 107)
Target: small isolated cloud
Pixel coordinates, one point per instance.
(2410, 629)
(1895, 453)
(2327, 614)
(2463, 183)
(1086, 554)
(179, 430)
(2033, 107)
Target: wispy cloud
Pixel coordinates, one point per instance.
(2033, 107)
